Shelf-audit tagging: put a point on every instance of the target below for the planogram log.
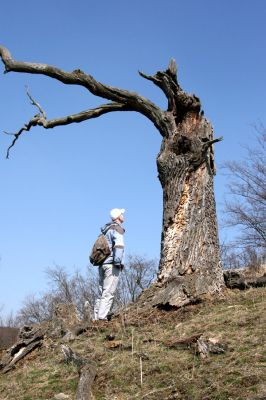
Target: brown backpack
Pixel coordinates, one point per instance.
(100, 250)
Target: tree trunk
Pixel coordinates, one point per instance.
(190, 259)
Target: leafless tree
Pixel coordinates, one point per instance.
(75, 289)
(78, 289)
(138, 274)
(246, 206)
(8, 320)
(60, 284)
(189, 246)
(63, 288)
(35, 309)
(247, 257)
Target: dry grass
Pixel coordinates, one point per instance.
(167, 373)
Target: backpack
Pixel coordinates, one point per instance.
(100, 250)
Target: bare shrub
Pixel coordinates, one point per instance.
(137, 275)
(249, 257)
(63, 288)
(83, 290)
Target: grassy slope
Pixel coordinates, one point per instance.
(238, 319)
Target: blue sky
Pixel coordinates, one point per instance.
(58, 186)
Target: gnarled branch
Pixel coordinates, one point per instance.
(40, 119)
(178, 100)
(78, 77)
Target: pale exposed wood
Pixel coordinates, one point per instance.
(190, 258)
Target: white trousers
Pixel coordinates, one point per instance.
(108, 281)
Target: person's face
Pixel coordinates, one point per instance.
(121, 218)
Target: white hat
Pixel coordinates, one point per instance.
(116, 212)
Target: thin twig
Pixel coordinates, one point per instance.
(26, 127)
(34, 103)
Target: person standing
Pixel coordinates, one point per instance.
(110, 270)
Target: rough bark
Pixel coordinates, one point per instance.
(190, 261)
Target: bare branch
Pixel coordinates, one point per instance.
(166, 84)
(211, 142)
(152, 78)
(34, 103)
(69, 119)
(26, 127)
(78, 77)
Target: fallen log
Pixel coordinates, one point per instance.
(236, 279)
(183, 343)
(65, 325)
(29, 338)
(87, 373)
(200, 343)
(207, 345)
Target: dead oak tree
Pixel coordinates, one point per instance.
(190, 260)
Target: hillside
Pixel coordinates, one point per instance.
(152, 355)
